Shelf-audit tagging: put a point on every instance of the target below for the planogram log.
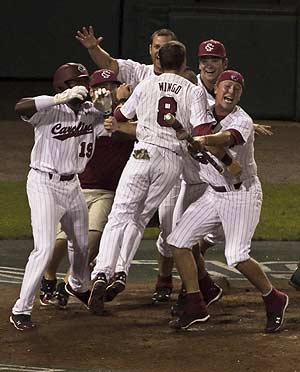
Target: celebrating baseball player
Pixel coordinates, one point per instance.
(155, 164)
(65, 128)
(234, 203)
(98, 183)
(212, 62)
(133, 72)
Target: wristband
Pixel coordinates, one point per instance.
(227, 160)
(43, 102)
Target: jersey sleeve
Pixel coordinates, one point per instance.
(38, 118)
(129, 108)
(132, 72)
(199, 108)
(244, 127)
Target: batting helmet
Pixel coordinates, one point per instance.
(66, 72)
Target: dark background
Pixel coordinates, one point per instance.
(261, 38)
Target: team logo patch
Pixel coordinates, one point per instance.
(106, 74)
(141, 154)
(209, 47)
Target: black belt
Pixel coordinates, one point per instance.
(68, 177)
(223, 188)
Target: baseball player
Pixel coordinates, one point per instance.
(234, 203)
(98, 183)
(132, 73)
(212, 62)
(65, 127)
(155, 163)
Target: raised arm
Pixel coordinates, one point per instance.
(101, 58)
(29, 106)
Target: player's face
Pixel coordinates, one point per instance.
(210, 68)
(158, 42)
(84, 81)
(228, 94)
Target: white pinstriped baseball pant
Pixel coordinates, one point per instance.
(52, 201)
(238, 211)
(142, 187)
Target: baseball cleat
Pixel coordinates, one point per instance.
(275, 318)
(213, 294)
(22, 322)
(83, 297)
(185, 321)
(47, 291)
(61, 296)
(97, 296)
(162, 294)
(116, 286)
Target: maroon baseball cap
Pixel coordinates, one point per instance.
(231, 75)
(103, 76)
(212, 48)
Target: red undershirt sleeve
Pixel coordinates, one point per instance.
(119, 116)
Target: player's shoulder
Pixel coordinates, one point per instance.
(242, 114)
(137, 66)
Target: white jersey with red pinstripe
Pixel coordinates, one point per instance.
(159, 95)
(132, 73)
(64, 142)
(234, 203)
(155, 164)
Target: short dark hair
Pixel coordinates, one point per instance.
(172, 55)
(190, 75)
(163, 32)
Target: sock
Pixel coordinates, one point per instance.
(164, 281)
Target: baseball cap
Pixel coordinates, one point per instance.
(103, 76)
(231, 75)
(212, 48)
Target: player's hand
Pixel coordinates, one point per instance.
(79, 91)
(102, 100)
(87, 38)
(235, 168)
(263, 129)
(200, 142)
(124, 91)
(111, 124)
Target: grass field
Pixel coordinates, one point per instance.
(280, 217)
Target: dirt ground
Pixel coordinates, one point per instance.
(135, 336)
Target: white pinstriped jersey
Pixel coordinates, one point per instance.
(132, 72)
(159, 95)
(210, 98)
(242, 122)
(64, 141)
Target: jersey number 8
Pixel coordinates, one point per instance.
(166, 105)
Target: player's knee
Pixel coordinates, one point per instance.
(164, 249)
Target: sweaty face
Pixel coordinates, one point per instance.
(158, 42)
(228, 94)
(210, 68)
